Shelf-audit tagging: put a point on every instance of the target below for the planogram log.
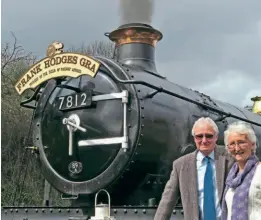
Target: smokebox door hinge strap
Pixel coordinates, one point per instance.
(124, 96)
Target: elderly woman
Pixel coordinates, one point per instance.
(242, 195)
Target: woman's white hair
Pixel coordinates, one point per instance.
(204, 121)
(240, 127)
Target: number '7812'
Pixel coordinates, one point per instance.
(74, 101)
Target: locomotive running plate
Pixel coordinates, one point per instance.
(74, 101)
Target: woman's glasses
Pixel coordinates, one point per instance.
(240, 144)
(207, 136)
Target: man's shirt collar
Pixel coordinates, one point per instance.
(201, 156)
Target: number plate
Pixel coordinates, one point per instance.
(74, 101)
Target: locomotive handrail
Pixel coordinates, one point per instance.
(160, 89)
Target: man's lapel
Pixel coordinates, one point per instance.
(220, 162)
(192, 179)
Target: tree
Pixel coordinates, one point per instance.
(12, 54)
(97, 48)
(15, 120)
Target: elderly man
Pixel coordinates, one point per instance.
(198, 177)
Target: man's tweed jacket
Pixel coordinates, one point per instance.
(183, 182)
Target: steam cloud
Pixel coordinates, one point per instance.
(139, 11)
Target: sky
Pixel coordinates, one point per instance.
(211, 46)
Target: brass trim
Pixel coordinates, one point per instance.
(257, 105)
(136, 33)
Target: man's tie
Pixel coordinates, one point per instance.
(209, 201)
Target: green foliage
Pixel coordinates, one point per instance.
(15, 125)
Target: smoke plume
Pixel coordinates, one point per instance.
(139, 11)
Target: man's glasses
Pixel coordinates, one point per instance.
(207, 136)
(241, 144)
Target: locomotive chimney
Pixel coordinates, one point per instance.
(135, 45)
(257, 104)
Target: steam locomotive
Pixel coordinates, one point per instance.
(116, 124)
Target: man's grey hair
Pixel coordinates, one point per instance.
(205, 121)
(240, 127)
